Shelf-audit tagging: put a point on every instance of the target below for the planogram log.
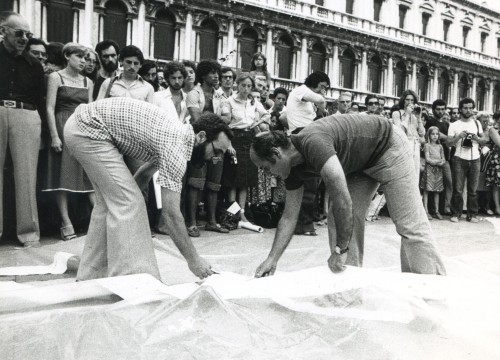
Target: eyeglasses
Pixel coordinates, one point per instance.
(227, 77)
(373, 103)
(344, 102)
(20, 33)
(42, 54)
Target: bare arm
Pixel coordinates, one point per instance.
(91, 89)
(284, 232)
(103, 89)
(175, 224)
(283, 120)
(52, 85)
(316, 99)
(494, 136)
(195, 113)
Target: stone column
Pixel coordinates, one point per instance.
(138, 38)
(304, 60)
(473, 89)
(489, 106)
(389, 86)
(86, 35)
(188, 37)
(334, 75)
(270, 51)
(75, 26)
(182, 41)
(177, 44)
(364, 71)
(231, 44)
(435, 85)
(37, 25)
(413, 80)
(454, 99)
(44, 21)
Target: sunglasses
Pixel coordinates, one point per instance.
(344, 102)
(20, 33)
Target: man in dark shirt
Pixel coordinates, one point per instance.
(22, 113)
(438, 111)
(108, 51)
(353, 154)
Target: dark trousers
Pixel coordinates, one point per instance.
(465, 170)
(305, 222)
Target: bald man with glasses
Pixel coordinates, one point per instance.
(344, 103)
(22, 113)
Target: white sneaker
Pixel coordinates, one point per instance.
(454, 219)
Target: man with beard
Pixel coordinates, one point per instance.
(107, 51)
(22, 115)
(173, 99)
(98, 135)
(38, 49)
(129, 83)
(466, 135)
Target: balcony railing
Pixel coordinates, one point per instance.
(340, 19)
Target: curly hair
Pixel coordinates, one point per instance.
(438, 102)
(172, 67)
(313, 80)
(213, 125)
(103, 45)
(131, 50)
(464, 101)
(264, 142)
(205, 67)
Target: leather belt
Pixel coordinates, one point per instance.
(17, 105)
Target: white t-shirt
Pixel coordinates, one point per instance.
(299, 113)
(470, 126)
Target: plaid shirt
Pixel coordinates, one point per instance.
(142, 131)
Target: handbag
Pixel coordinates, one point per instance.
(485, 160)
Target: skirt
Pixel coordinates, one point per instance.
(244, 173)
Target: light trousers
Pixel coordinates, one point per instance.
(119, 239)
(20, 130)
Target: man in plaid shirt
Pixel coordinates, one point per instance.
(98, 135)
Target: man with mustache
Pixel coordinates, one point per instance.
(129, 83)
(173, 98)
(107, 51)
(99, 135)
(22, 114)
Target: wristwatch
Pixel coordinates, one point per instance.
(340, 251)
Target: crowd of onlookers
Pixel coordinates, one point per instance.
(42, 84)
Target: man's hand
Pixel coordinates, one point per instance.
(462, 134)
(56, 144)
(201, 268)
(336, 262)
(267, 268)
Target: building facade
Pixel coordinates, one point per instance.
(445, 49)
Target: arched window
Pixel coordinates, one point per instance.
(7, 5)
(60, 21)
(284, 57)
(318, 58)
(248, 47)
(164, 35)
(115, 22)
(480, 95)
(444, 86)
(463, 87)
(496, 98)
(399, 78)
(347, 69)
(423, 83)
(209, 39)
(374, 74)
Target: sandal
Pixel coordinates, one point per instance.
(308, 233)
(68, 233)
(216, 228)
(193, 231)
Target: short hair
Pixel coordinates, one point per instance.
(438, 102)
(103, 45)
(213, 125)
(74, 48)
(225, 69)
(280, 90)
(264, 142)
(36, 41)
(404, 95)
(5, 15)
(313, 80)
(55, 55)
(346, 93)
(172, 67)
(244, 76)
(254, 57)
(381, 98)
(464, 101)
(131, 50)
(205, 67)
(496, 116)
(370, 96)
(189, 63)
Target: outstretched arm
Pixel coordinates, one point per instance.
(284, 233)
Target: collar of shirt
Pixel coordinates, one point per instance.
(13, 54)
(168, 93)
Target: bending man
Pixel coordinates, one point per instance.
(98, 135)
(353, 154)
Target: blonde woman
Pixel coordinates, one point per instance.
(66, 89)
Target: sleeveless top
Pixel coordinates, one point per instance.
(69, 97)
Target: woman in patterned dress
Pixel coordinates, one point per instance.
(493, 170)
(66, 89)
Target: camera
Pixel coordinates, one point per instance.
(417, 109)
(467, 140)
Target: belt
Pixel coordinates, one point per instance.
(17, 105)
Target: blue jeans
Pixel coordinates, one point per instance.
(465, 170)
(395, 172)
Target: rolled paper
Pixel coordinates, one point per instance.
(249, 226)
